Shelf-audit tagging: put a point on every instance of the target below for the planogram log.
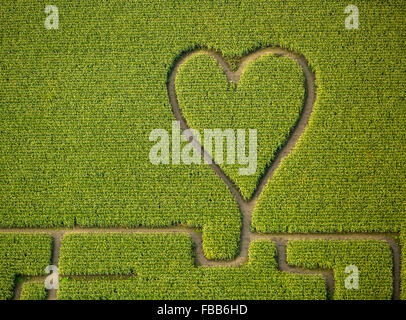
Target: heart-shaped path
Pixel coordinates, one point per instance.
(247, 207)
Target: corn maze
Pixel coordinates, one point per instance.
(111, 185)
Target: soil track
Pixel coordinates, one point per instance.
(246, 207)
(280, 241)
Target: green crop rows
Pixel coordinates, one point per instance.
(403, 263)
(22, 255)
(33, 291)
(372, 258)
(78, 105)
(162, 266)
(117, 254)
(271, 90)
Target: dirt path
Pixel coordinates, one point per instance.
(280, 241)
(246, 207)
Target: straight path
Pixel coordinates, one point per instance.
(280, 241)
